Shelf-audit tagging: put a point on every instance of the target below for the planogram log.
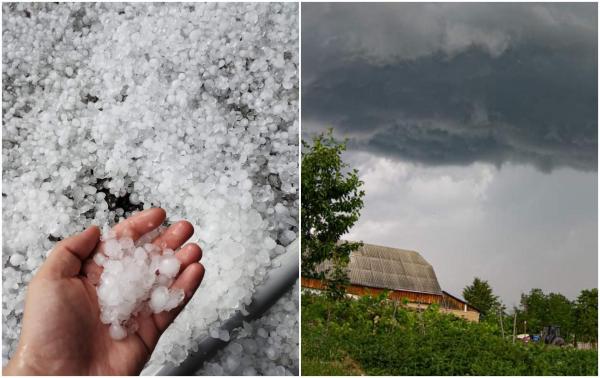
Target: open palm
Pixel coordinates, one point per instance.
(61, 331)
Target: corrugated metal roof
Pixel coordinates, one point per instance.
(391, 268)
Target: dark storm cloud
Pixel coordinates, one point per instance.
(455, 84)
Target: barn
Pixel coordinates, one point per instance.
(404, 274)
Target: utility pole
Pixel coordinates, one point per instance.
(514, 327)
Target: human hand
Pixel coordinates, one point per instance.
(61, 332)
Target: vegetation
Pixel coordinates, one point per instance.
(585, 316)
(331, 203)
(540, 310)
(480, 295)
(578, 320)
(375, 336)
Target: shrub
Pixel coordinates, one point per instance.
(383, 337)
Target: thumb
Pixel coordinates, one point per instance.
(67, 257)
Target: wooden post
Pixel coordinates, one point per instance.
(515, 327)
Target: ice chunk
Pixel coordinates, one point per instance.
(249, 371)
(159, 299)
(223, 335)
(99, 259)
(169, 266)
(112, 248)
(117, 332)
(129, 283)
(176, 296)
(17, 259)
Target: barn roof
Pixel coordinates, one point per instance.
(391, 268)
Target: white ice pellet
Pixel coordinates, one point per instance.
(271, 353)
(112, 248)
(17, 259)
(224, 335)
(99, 259)
(249, 371)
(159, 299)
(262, 333)
(169, 266)
(117, 332)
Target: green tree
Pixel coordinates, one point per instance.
(480, 295)
(540, 310)
(331, 203)
(561, 314)
(586, 316)
(534, 309)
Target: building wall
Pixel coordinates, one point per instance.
(416, 300)
(454, 303)
(472, 316)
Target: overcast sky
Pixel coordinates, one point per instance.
(474, 127)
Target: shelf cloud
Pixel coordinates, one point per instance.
(436, 84)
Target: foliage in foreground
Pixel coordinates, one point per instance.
(377, 337)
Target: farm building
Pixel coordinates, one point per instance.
(405, 274)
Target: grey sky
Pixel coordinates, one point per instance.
(474, 127)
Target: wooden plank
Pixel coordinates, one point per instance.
(398, 295)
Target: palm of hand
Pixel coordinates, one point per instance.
(62, 332)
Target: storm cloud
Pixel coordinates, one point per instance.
(455, 84)
(517, 227)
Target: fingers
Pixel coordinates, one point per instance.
(133, 227)
(172, 238)
(175, 235)
(92, 271)
(66, 258)
(141, 223)
(188, 280)
(189, 254)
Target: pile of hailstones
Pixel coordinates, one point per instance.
(135, 280)
(192, 107)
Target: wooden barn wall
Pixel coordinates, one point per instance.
(447, 303)
(444, 301)
(451, 302)
(393, 294)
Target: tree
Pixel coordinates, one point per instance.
(561, 314)
(586, 316)
(480, 295)
(541, 310)
(534, 309)
(331, 203)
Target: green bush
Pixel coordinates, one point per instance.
(374, 336)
